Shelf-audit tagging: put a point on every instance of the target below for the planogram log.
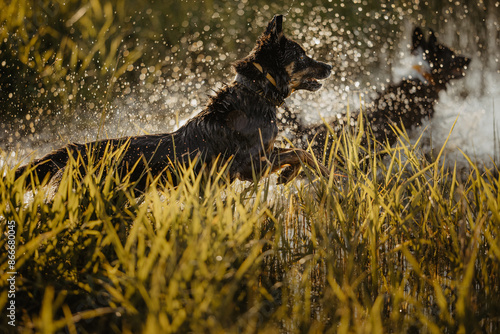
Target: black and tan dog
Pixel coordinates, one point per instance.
(406, 103)
(238, 123)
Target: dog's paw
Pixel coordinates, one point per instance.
(287, 174)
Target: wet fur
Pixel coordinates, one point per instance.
(239, 122)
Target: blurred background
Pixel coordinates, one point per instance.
(81, 70)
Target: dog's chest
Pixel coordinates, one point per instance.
(253, 128)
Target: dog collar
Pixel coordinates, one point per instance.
(275, 102)
(278, 102)
(269, 77)
(425, 74)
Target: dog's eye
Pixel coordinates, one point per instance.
(302, 57)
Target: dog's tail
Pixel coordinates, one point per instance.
(45, 167)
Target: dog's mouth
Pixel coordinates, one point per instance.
(311, 84)
(307, 79)
(458, 73)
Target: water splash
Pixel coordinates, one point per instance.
(364, 43)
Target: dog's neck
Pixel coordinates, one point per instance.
(273, 98)
(269, 77)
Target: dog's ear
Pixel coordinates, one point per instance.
(417, 39)
(432, 39)
(275, 27)
(432, 45)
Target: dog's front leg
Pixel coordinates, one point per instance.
(293, 158)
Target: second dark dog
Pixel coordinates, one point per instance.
(238, 123)
(406, 103)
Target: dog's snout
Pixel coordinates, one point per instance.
(327, 70)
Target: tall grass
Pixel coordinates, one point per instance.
(399, 245)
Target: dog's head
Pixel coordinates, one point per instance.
(276, 57)
(444, 63)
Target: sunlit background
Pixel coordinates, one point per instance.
(408, 251)
(81, 70)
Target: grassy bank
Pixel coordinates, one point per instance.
(409, 250)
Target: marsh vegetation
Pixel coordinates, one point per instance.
(405, 243)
